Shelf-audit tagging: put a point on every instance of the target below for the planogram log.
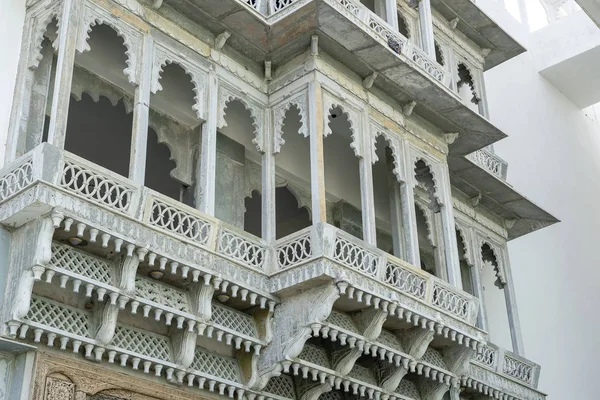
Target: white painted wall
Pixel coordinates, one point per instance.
(554, 158)
(12, 15)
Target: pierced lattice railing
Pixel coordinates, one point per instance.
(343, 321)
(67, 258)
(58, 316)
(16, 177)
(488, 356)
(142, 343)
(161, 293)
(175, 218)
(95, 183)
(355, 255)
(517, 369)
(215, 365)
(406, 279)
(241, 247)
(294, 249)
(234, 320)
(282, 386)
(315, 355)
(451, 300)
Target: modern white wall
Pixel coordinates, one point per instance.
(554, 159)
(12, 15)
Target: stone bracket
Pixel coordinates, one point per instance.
(431, 390)
(104, 317)
(344, 359)
(389, 376)
(370, 322)
(415, 341)
(292, 327)
(458, 359)
(201, 299)
(126, 269)
(184, 346)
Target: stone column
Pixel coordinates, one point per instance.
(478, 288)
(269, 219)
(141, 111)
(449, 229)
(511, 307)
(426, 22)
(409, 213)
(67, 43)
(317, 160)
(367, 197)
(397, 222)
(391, 13)
(205, 185)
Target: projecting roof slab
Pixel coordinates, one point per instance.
(281, 37)
(481, 29)
(498, 197)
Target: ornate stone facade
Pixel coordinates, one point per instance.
(133, 289)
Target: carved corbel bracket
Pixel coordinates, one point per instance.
(292, 322)
(408, 108)
(184, 346)
(344, 359)
(458, 359)
(315, 391)
(249, 367)
(104, 321)
(370, 321)
(201, 300)
(264, 323)
(431, 390)
(125, 270)
(30, 253)
(415, 341)
(389, 376)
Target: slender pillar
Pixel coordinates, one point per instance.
(367, 197)
(67, 43)
(391, 13)
(39, 100)
(205, 187)
(317, 159)
(269, 217)
(478, 289)
(426, 23)
(397, 221)
(511, 307)
(409, 213)
(449, 230)
(141, 112)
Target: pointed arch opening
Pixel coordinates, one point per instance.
(342, 173)
(236, 152)
(386, 189)
(465, 268)
(494, 297)
(427, 247)
(100, 122)
(466, 87)
(176, 95)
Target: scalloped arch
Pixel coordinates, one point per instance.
(181, 172)
(432, 189)
(330, 104)
(428, 223)
(470, 81)
(41, 27)
(92, 20)
(280, 113)
(197, 88)
(462, 237)
(392, 144)
(228, 97)
(498, 268)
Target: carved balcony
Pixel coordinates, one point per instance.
(490, 162)
(360, 40)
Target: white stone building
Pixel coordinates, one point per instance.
(267, 200)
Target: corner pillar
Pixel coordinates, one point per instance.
(317, 158)
(511, 307)
(67, 43)
(449, 230)
(141, 112)
(205, 184)
(426, 23)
